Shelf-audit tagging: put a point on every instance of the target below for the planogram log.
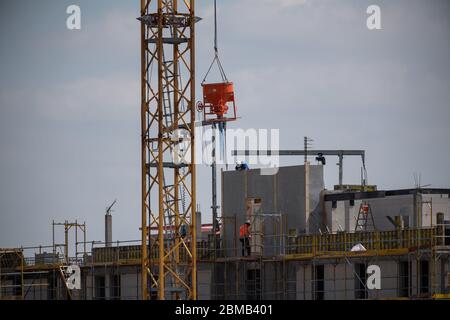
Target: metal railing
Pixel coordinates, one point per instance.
(308, 245)
(371, 241)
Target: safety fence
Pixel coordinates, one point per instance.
(371, 241)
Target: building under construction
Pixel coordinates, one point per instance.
(295, 253)
(304, 241)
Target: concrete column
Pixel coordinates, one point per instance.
(108, 230)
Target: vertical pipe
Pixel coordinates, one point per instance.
(214, 190)
(214, 206)
(108, 230)
(305, 141)
(84, 239)
(161, 262)
(53, 238)
(431, 212)
(22, 287)
(173, 7)
(144, 291)
(341, 170)
(419, 208)
(432, 263)
(193, 169)
(76, 240)
(92, 271)
(177, 226)
(363, 159)
(222, 237)
(175, 121)
(66, 241)
(1, 290)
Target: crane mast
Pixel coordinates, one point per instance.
(168, 255)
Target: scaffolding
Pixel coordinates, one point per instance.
(11, 274)
(241, 276)
(281, 265)
(274, 275)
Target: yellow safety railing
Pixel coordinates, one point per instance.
(374, 240)
(296, 245)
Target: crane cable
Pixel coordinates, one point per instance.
(216, 51)
(222, 126)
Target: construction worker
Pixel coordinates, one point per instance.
(244, 237)
(241, 166)
(183, 231)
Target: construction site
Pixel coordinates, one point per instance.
(277, 233)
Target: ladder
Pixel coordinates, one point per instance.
(168, 86)
(365, 221)
(168, 89)
(168, 117)
(253, 280)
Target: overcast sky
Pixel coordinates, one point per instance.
(70, 100)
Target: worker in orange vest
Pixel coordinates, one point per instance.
(244, 237)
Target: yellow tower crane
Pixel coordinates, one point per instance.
(168, 144)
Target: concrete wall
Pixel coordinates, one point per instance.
(292, 280)
(282, 193)
(340, 281)
(439, 202)
(344, 215)
(129, 277)
(130, 285)
(304, 282)
(389, 280)
(38, 289)
(204, 281)
(204, 284)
